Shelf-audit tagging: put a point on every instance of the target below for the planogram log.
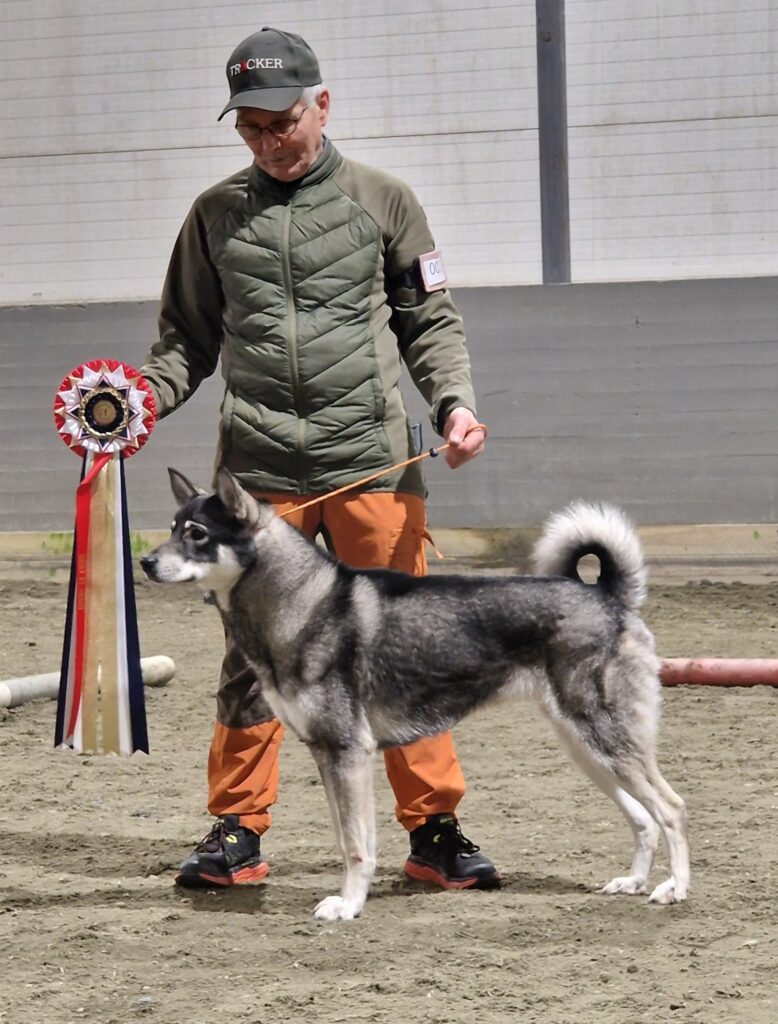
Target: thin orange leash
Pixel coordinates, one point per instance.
(432, 452)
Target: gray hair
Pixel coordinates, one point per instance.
(311, 93)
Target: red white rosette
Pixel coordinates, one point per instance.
(104, 406)
(104, 411)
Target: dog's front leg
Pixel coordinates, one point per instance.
(347, 774)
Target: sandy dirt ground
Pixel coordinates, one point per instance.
(92, 928)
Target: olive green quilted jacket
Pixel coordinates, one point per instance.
(304, 292)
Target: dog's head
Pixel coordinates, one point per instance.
(212, 535)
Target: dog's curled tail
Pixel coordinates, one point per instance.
(601, 530)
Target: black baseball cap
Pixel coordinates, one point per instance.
(269, 70)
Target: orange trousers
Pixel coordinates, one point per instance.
(370, 530)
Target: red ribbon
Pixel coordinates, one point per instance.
(83, 511)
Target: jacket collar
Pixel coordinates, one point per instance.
(328, 161)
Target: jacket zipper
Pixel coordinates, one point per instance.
(291, 341)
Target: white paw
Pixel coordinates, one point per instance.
(667, 892)
(335, 908)
(628, 885)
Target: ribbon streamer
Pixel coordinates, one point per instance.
(104, 411)
(101, 703)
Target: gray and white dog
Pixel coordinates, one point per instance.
(354, 661)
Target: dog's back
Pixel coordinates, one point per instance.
(434, 649)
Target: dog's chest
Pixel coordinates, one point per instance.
(293, 710)
(293, 713)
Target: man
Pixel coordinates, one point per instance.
(310, 277)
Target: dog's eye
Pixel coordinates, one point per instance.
(197, 534)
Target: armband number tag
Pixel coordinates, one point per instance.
(433, 273)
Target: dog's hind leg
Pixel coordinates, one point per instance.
(644, 799)
(347, 775)
(644, 829)
(647, 785)
(646, 834)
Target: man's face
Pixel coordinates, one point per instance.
(290, 157)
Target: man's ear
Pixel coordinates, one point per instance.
(183, 490)
(323, 107)
(238, 503)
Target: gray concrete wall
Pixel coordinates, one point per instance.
(660, 397)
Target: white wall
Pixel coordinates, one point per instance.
(673, 138)
(108, 131)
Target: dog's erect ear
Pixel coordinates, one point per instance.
(237, 502)
(183, 490)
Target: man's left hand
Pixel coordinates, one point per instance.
(464, 442)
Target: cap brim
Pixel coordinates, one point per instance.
(264, 99)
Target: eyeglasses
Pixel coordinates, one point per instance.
(278, 129)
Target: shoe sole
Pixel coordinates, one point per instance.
(424, 873)
(245, 876)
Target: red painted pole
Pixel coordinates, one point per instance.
(719, 671)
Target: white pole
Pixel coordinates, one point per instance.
(156, 671)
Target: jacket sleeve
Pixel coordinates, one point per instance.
(427, 324)
(190, 320)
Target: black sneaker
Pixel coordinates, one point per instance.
(440, 854)
(228, 855)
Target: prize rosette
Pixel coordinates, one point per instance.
(104, 412)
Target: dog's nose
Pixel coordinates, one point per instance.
(147, 563)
